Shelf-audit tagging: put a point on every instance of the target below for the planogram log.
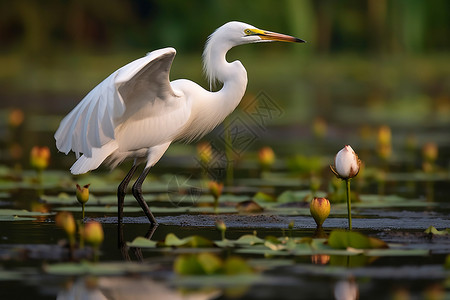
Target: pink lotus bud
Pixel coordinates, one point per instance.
(320, 209)
(346, 163)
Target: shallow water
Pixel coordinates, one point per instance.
(397, 211)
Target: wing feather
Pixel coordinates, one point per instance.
(92, 123)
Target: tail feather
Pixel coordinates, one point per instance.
(85, 164)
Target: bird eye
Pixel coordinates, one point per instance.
(248, 31)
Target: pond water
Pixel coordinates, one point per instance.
(396, 210)
(274, 252)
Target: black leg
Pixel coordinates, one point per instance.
(137, 193)
(121, 191)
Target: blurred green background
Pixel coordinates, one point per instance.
(366, 64)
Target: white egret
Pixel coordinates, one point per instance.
(137, 112)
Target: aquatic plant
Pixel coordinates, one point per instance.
(346, 166)
(220, 225)
(66, 221)
(429, 154)
(82, 194)
(320, 209)
(39, 160)
(266, 158)
(215, 189)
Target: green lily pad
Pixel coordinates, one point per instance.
(88, 268)
(142, 242)
(385, 201)
(434, 231)
(194, 241)
(208, 264)
(397, 252)
(16, 218)
(263, 197)
(249, 206)
(350, 239)
(19, 212)
(249, 239)
(99, 209)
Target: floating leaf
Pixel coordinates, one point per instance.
(249, 206)
(187, 264)
(346, 239)
(210, 263)
(21, 212)
(263, 197)
(249, 239)
(194, 241)
(207, 264)
(236, 265)
(142, 242)
(85, 267)
(397, 252)
(434, 231)
(99, 209)
(198, 264)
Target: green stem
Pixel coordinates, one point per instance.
(216, 202)
(82, 210)
(349, 204)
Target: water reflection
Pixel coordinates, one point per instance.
(121, 288)
(346, 289)
(123, 245)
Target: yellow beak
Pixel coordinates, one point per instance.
(273, 36)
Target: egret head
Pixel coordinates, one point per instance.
(233, 34)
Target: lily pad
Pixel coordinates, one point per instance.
(99, 209)
(208, 264)
(88, 268)
(194, 241)
(349, 239)
(434, 231)
(142, 242)
(21, 212)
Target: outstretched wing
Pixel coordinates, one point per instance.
(92, 123)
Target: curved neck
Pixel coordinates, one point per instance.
(233, 75)
(212, 108)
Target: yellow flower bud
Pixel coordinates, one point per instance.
(384, 135)
(220, 225)
(93, 233)
(83, 193)
(204, 152)
(430, 152)
(320, 209)
(16, 118)
(66, 221)
(266, 157)
(320, 128)
(40, 157)
(215, 189)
